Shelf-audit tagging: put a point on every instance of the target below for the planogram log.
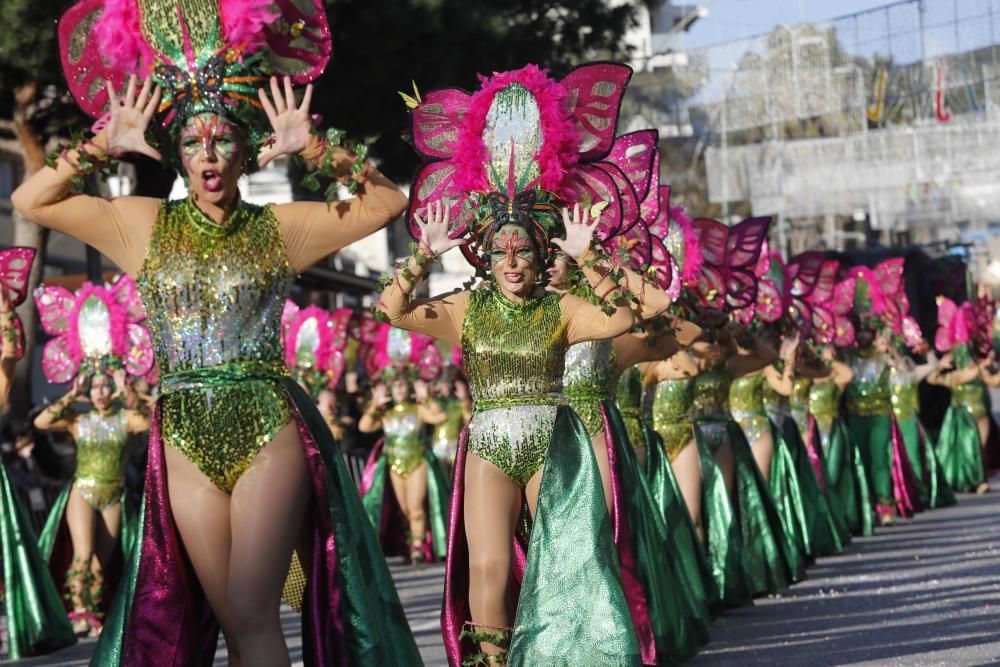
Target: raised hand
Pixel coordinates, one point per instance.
(420, 391)
(292, 124)
(380, 396)
(76, 390)
(434, 229)
(121, 389)
(579, 232)
(130, 117)
(789, 345)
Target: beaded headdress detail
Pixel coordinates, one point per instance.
(97, 328)
(206, 55)
(522, 146)
(15, 267)
(315, 341)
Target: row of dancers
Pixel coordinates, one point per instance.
(621, 479)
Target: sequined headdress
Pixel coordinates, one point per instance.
(15, 266)
(315, 341)
(206, 55)
(726, 280)
(399, 354)
(98, 328)
(955, 326)
(873, 307)
(519, 148)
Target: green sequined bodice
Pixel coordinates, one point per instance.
(404, 445)
(711, 394)
(588, 379)
(672, 403)
(824, 403)
(869, 393)
(214, 296)
(513, 355)
(905, 394)
(746, 402)
(798, 402)
(971, 397)
(450, 429)
(100, 455)
(629, 399)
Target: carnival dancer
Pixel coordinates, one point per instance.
(402, 470)
(99, 339)
(522, 148)
(451, 393)
(240, 462)
(965, 429)
(869, 394)
(36, 620)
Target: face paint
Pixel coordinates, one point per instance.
(509, 243)
(208, 136)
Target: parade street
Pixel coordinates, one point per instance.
(925, 592)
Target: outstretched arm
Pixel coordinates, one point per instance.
(118, 228)
(57, 416)
(442, 316)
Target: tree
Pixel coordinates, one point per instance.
(35, 106)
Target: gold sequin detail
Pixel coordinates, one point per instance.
(100, 456)
(869, 394)
(215, 295)
(588, 380)
(905, 395)
(513, 355)
(672, 403)
(824, 403)
(404, 445)
(746, 402)
(970, 397)
(444, 438)
(629, 397)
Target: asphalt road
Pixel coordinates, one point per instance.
(926, 592)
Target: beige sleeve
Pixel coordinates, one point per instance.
(313, 230)
(631, 349)
(441, 316)
(585, 321)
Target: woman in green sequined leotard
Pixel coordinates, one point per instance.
(452, 396)
(250, 460)
(93, 506)
(410, 464)
(525, 446)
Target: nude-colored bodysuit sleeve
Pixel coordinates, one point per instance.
(118, 228)
(585, 321)
(313, 230)
(441, 316)
(631, 349)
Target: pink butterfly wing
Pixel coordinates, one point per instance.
(436, 121)
(55, 306)
(594, 96)
(635, 155)
(85, 68)
(713, 237)
(15, 268)
(745, 241)
(126, 293)
(889, 275)
(826, 282)
(824, 326)
(300, 40)
(804, 272)
(139, 360)
(649, 207)
(595, 182)
(769, 301)
(627, 198)
(58, 361)
(435, 182)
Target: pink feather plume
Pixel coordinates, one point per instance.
(122, 44)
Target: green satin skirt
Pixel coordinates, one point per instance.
(726, 553)
(846, 481)
(801, 503)
(934, 490)
(774, 561)
(959, 450)
(36, 618)
(873, 436)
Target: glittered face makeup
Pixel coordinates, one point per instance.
(509, 243)
(514, 260)
(211, 151)
(100, 391)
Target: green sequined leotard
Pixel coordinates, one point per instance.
(589, 378)
(444, 439)
(100, 457)
(905, 395)
(672, 403)
(404, 445)
(869, 393)
(824, 405)
(710, 409)
(798, 402)
(513, 355)
(215, 296)
(629, 396)
(971, 397)
(746, 402)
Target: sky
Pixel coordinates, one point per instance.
(734, 19)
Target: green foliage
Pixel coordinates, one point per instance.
(441, 43)
(28, 45)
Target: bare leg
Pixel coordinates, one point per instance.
(983, 425)
(640, 456)
(81, 519)
(398, 483)
(266, 512)
(108, 527)
(763, 450)
(724, 458)
(601, 452)
(492, 507)
(687, 470)
(416, 496)
(201, 513)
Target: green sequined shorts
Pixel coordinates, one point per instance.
(405, 457)
(675, 436)
(754, 425)
(713, 433)
(99, 493)
(514, 439)
(221, 429)
(975, 408)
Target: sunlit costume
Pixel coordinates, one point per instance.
(511, 153)
(869, 395)
(445, 436)
(405, 357)
(36, 621)
(958, 446)
(215, 295)
(726, 283)
(96, 330)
